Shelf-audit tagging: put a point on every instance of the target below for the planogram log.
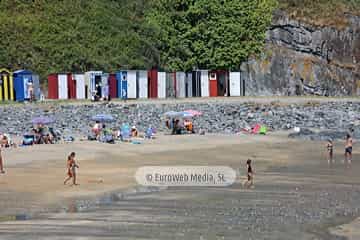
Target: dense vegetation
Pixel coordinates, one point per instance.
(61, 36)
(79, 35)
(322, 12)
(211, 34)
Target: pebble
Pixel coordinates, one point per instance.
(334, 118)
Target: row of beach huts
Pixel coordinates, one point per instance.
(124, 84)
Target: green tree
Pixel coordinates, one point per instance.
(75, 35)
(212, 34)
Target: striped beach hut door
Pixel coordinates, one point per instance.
(235, 84)
(204, 79)
(63, 86)
(131, 84)
(6, 85)
(161, 90)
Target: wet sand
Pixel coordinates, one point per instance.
(296, 191)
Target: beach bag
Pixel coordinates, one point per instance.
(263, 130)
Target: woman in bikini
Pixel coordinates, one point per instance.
(71, 165)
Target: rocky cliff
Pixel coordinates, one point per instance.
(301, 58)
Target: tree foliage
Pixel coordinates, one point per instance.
(75, 35)
(211, 34)
(48, 36)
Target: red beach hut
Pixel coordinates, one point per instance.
(153, 83)
(53, 86)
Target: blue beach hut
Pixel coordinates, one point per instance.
(23, 79)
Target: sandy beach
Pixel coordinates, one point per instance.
(296, 191)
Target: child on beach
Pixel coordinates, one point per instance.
(330, 150)
(348, 149)
(71, 165)
(250, 175)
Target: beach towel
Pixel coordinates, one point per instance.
(263, 130)
(256, 129)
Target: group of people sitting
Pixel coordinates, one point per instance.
(40, 134)
(102, 133)
(180, 127)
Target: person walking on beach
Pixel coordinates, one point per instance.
(71, 165)
(250, 175)
(330, 150)
(1, 163)
(348, 148)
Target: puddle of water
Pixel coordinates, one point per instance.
(17, 217)
(75, 206)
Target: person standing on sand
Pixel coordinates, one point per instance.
(71, 172)
(330, 150)
(250, 175)
(348, 148)
(1, 163)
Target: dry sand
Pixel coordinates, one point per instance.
(294, 185)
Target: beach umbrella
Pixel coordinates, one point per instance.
(194, 112)
(42, 120)
(103, 118)
(185, 115)
(173, 114)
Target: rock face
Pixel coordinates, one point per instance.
(304, 59)
(218, 117)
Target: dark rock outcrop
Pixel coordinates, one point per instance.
(300, 57)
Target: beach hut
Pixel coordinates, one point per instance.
(218, 83)
(23, 79)
(188, 83)
(142, 84)
(80, 85)
(196, 84)
(36, 83)
(113, 86)
(171, 85)
(122, 78)
(235, 83)
(63, 86)
(153, 83)
(53, 86)
(6, 85)
(105, 85)
(204, 81)
(93, 82)
(131, 84)
(213, 84)
(161, 92)
(180, 84)
(71, 86)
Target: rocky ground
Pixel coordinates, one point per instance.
(333, 117)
